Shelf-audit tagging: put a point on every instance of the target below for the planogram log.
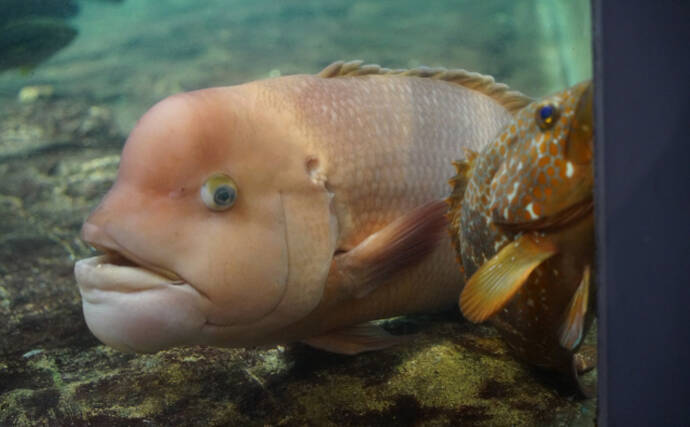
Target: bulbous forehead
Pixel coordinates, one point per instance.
(187, 137)
(179, 136)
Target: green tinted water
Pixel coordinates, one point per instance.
(133, 53)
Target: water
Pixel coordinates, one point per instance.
(59, 152)
(132, 54)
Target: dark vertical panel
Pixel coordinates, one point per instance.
(642, 82)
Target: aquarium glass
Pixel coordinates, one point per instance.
(76, 75)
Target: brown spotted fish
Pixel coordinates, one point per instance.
(296, 208)
(522, 222)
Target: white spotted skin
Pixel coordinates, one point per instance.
(506, 190)
(569, 169)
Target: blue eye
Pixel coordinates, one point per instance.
(546, 112)
(547, 115)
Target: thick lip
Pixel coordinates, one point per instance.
(112, 272)
(100, 275)
(117, 269)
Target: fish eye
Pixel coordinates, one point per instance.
(547, 115)
(219, 192)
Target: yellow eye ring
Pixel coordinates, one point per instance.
(547, 115)
(219, 192)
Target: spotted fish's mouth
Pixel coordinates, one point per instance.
(553, 222)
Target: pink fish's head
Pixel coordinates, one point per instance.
(203, 227)
(545, 177)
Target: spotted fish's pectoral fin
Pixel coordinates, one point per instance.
(572, 329)
(400, 244)
(356, 339)
(497, 280)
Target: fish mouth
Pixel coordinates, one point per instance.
(554, 222)
(134, 309)
(117, 269)
(115, 273)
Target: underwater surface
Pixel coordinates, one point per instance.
(74, 78)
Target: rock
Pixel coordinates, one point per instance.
(29, 94)
(54, 125)
(96, 121)
(54, 372)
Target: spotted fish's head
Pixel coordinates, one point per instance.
(545, 177)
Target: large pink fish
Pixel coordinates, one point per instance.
(294, 208)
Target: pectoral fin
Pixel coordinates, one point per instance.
(355, 339)
(497, 280)
(571, 330)
(400, 244)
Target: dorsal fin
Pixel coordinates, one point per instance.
(458, 183)
(512, 100)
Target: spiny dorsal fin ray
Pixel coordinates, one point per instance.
(512, 100)
(458, 183)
